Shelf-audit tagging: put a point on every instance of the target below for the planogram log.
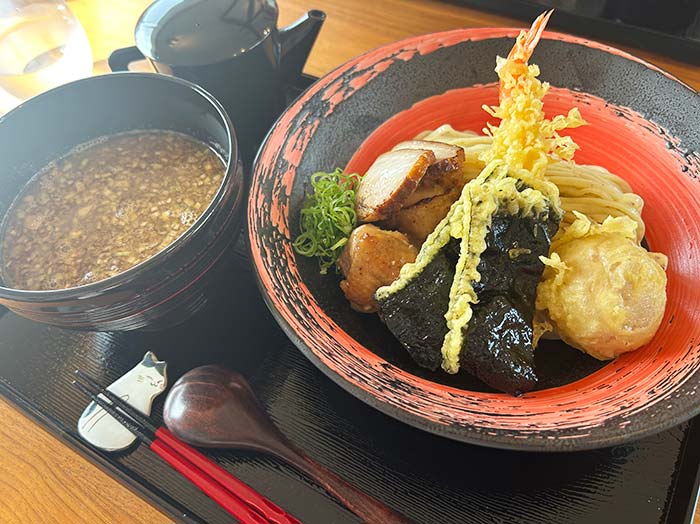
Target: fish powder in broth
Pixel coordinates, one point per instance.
(105, 207)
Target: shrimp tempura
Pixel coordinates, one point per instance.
(525, 140)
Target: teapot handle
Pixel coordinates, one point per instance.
(120, 59)
(296, 41)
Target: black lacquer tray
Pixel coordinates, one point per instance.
(671, 28)
(429, 478)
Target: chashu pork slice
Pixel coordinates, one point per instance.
(448, 157)
(426, 190)
(372, 258)
(435, 187)
(389, 182)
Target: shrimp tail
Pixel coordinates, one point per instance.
(524, 47)
(510, 69)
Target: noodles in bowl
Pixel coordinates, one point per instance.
(589, 189)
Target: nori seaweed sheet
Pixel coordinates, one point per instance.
(415, 314)
(498, 340)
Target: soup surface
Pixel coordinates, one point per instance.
(105, 207)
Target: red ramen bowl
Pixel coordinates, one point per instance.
(643, 126)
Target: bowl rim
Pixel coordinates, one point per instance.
(113, 282)
(463, 434)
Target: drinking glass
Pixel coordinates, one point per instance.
(42, 45)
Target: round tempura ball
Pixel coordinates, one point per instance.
(602, 292)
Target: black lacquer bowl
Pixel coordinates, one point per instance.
(643, 126)
(169, 287)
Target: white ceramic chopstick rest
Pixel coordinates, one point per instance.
(138, 387)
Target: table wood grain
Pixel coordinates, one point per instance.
(42, 481)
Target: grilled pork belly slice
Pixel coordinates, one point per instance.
(425, 191)
(372, 258)
(448, 157)
(389, 182)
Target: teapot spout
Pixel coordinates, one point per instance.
(296, 41)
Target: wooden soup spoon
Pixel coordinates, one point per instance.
(213, 407)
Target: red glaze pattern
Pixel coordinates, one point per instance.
(618, 138)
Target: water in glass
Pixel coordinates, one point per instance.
(42, 45)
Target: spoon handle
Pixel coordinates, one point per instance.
(369, 509)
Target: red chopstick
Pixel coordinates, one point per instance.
(233, 495)
(264, 506)
(215, 490)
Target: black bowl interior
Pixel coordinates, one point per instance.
(614, 78)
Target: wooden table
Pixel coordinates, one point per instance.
(44, 482)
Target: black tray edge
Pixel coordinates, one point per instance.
(687, 483)
(679, 48)
(164, 504)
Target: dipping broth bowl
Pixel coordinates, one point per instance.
(170, 286)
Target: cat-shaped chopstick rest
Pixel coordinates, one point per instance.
(138, 387)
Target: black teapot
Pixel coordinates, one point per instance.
(233, 49)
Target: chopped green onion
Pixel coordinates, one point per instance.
(328, 217)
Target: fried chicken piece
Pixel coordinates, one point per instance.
(372, 258)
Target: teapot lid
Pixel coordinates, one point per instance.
(199, 32)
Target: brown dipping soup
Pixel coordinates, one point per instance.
(105, 207)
